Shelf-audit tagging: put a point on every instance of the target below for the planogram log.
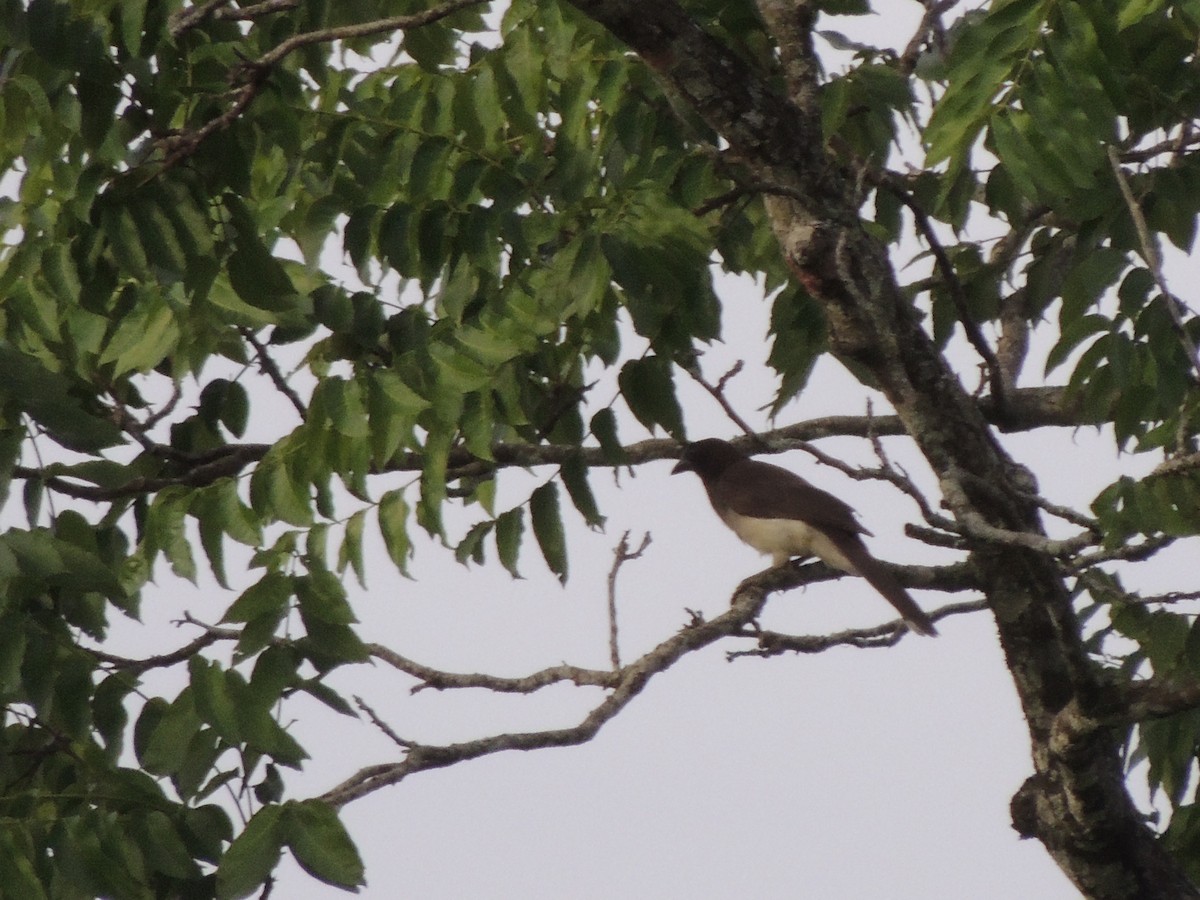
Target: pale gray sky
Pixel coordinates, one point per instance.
(850, 774)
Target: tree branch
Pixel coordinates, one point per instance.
(1153, 259)
(1027, 409)
(774, 643)
(621, 556)
(267, 364)
(954, 286)
(253, 74)
(627, 683)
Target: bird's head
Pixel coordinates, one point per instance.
(708, 458)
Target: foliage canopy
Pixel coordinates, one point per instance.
(260, 256)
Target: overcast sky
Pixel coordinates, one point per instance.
(849, 774)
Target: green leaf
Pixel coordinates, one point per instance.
(268, 596)
(213, 702)
(471, 546)
(321, 844)
(548, 528)
(351, 551)
(649, 390)
(1133, 11)
(574, 477)
(49, 399)
(274, 492)
(393, 525)
(509, 527)
(253, 855)
(604, 427)
(164, 848)
(322, 598)
(257, 277)
(167, 743)
(17, 873)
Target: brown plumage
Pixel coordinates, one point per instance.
(777, 512)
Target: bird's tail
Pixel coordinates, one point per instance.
(892, 590)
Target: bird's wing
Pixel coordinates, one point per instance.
(764, 491)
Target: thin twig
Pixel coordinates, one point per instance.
(895, 473)
(1173, 146)
(748, 601)
(167, 408)
(718, 392)
(954, 286)
(1153, 259)
(364, 29)
(1175, 465)
(138, 666)
(267, 364)
(621, 556)
(1126, 552)
(1027, 409)
(256, 10)
(186, 19)
(436, 679)
(774, 643)
(382, 725)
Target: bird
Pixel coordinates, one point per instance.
(778, 513)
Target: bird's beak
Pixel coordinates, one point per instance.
(682, 466)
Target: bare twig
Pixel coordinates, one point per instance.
(624, 684)
(436, 679)
(1127, 552)
(896, 475)
(138, 666)
(1164, 599)
(1187, 138)
(231, 460)
(382, 725)
(1153, 259)
(255, 10)
(1175, 465)
(1065, 513)
(1027, 409)
(629, 681)
(621, 555)
(973, 525)
(267, 364)
(364, 29)
(718, 392)
(167, 408)
(954, 286)
(186, 19)
(774, 643)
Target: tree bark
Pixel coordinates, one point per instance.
(1076, 802)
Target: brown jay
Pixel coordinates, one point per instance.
(777, 512)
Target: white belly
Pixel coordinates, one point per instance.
(783, 539)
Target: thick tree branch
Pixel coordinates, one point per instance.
(628, 682)
(1027, 410)
(1076, 802)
